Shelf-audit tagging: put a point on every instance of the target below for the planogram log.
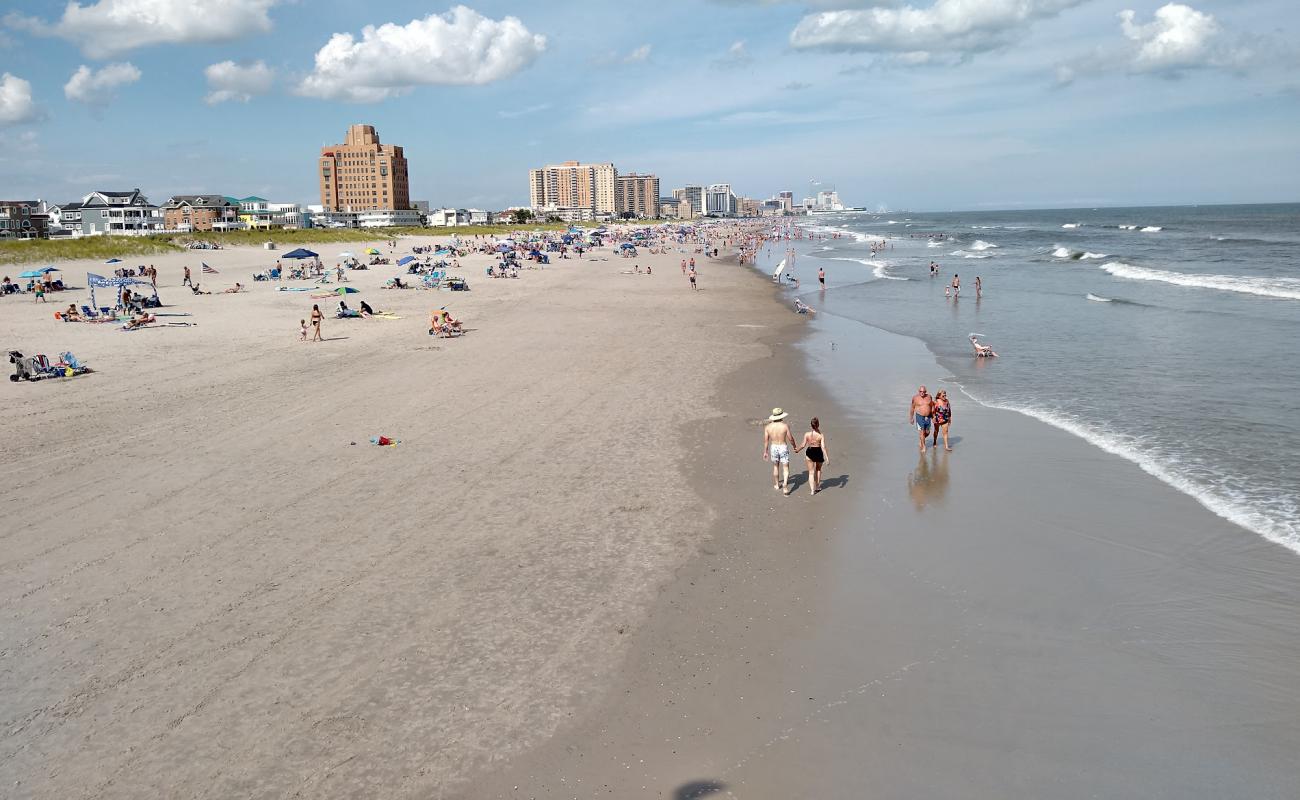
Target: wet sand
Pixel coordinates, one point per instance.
(1023, 617)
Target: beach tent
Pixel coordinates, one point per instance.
(100, 282)
(404, 260)
(300, 253)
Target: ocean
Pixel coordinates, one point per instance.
(1167, 336)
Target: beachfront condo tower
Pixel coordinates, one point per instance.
(362, 174)
(637, 196)
(573, 188)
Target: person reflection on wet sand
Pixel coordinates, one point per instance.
(929, 481)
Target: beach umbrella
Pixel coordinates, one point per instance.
(370, 251)
(627, 246)
(346, 290)
(347, 255)
(113, 261)
(404, 260)
(501, 248)
(300, 253)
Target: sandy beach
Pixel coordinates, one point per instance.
(573, 579)
(211, 590)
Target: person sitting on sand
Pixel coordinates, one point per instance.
(196, 289)
(236, 289)
(366, 310)
(72, 314)
(449, 321)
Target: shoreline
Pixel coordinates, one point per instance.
(951, 644)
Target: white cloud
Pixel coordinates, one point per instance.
(96, 87)
(231, 81)
(513, 113)
(1179, 37)
(461, 47)
(638, 55)
(16, 104)
(112, 27)
(737, 55)
(946, 29)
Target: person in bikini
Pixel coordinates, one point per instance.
(816, 454)
(942, 419)
(920, 413)
(777, 441)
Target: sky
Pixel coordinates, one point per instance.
(935, 105)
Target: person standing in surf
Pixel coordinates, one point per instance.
(956, 286)
(821, 276)
(920, 413)
(979, 287)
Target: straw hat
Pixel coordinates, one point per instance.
(778, 414)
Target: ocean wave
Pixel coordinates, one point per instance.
(933, 243)
(1072, 225)
(1151, 229)
(1284, 288)
(1098, 298)
(980, 244)
(1265, 519)
(1076, 255)
(964, 254)
(878, 268)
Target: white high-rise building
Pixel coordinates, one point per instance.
(719, 200)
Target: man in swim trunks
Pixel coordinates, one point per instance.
(777, 441)
(821, 277)
(920, 413)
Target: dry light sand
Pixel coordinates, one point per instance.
(209, 591)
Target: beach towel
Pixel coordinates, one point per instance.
(296, 289)
(384, 441)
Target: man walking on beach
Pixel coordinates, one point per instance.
(777, 441)
(188, 281)
(821, 277)
(920, 413)
(692, 276)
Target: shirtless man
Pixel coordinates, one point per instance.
(777, 441)
(956, 286)
(920, 413)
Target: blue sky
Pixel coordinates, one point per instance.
(941, 104)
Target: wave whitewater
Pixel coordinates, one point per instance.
(1276, 525)
(1283, 288)
(878, 268)
(1076, 255)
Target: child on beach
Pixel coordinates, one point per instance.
(302, 337)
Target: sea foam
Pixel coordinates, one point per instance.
(980, 244)
(1284, 288)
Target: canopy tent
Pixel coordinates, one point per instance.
(100, 282)
(404, 260)
(300, 253)
(37, 273)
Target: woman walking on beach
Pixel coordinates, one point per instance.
(942, 419)
(814, 447)
(316, 317)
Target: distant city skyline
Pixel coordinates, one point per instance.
(933, 105)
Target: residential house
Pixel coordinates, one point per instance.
(22, 219)
(200, 212)
(118, 214)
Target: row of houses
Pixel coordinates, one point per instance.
(130, 213)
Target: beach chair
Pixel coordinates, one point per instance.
(89, 313)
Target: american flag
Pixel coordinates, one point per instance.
(208, 270)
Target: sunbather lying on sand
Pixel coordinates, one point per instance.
(139, 321)
(238, 287)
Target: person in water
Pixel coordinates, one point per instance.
(816, 454)
(942, 419)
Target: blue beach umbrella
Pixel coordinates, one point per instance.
(36, 273)
(627, 246)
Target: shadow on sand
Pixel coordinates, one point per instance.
(698, 789)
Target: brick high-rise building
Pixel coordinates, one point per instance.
(363, 175)
(637, 195)
(573, 185)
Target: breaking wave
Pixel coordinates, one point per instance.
(1284, 288)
